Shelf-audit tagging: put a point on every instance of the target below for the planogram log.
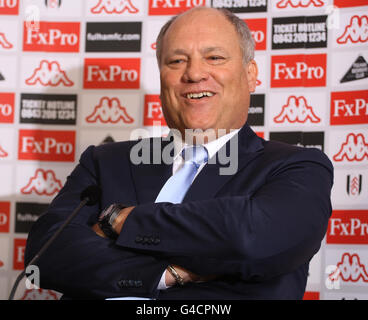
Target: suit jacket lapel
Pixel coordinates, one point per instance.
(150, 178)
(209, 181)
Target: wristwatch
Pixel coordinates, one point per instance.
(107, 218)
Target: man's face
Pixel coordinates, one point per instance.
(204, 82)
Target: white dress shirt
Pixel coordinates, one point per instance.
(212, 148)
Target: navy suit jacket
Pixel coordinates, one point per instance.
(256, 229)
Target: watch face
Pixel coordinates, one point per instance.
(106, 212)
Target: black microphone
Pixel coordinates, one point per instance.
(89, 196)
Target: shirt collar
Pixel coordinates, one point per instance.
(212, 147)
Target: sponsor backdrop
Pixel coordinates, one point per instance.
(75, 73)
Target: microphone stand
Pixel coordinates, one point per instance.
(47, 244)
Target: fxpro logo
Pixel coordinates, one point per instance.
(46, 145)
(52, 37)
(9, 7)
(348, 227)
(171, 7)
(298, 70)
(349, 107)
(6, 107)
(153, 111)
(112, 73)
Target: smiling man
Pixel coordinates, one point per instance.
(181, 229)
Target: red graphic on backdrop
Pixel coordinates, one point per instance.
(46, 145)
(298, 70)
(300, 3)
(153, 115)
(348, 227)
(9, 7)
(350, 269)
(109, 111)
(112, 73)
(295, 110)
(39, 294)
(43, 183)
(3, 153)
(49, 74)
(1, 263)
(114, 6)
(349, 107)
(7, 107)
(52, 37)
(172, 7)
(258, 28)
(4, 42)
(353, 149)
(350, 3)
(356, 31)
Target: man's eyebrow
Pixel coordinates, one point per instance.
(203, 51)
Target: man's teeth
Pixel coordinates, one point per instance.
(199, 95)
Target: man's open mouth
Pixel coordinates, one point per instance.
(199, 95)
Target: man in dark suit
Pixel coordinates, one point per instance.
(246, 232)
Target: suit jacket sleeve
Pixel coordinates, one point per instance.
(262, 233)
(80, 263)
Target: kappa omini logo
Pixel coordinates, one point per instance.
(49, 73)
(3, 153)
(356, 31)
(109, 110)
(300, 3)
(44, 182)
(39, 294)
(295, 110)
(4, 43)
(114, 6)
(353, 149)
(349, 269)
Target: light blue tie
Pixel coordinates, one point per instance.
(178, 184)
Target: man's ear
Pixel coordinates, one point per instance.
(252, 73)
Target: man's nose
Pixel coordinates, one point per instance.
(195, 71)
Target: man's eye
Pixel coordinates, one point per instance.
(216, 58)
(176, 61)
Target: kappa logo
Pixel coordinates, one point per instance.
(109, 110)
(350, 269)
(114, 6)
(4, 43)
(39, 294)
(43, 183)
(354, 184)
(3, 153)
(49, 73)
(356, 31)
(353, 149)
(295, 110)
(300, 3)
(298, 70)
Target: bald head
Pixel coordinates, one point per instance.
(246, 42)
